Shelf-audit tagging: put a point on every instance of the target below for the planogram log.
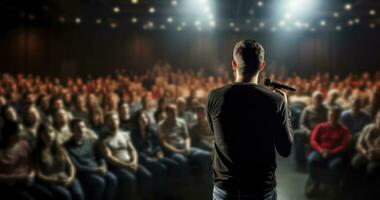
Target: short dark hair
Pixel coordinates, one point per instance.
(248, 55)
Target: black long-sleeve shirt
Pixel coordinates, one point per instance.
(249, 123)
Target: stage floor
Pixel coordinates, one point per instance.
(290, 182)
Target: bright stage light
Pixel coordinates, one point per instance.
(323, 23)
(299, 6)
(348, 6)
(116, 9)
(134, 20)
(152, 10)
(372, 12)
(78, 20)
(198, 12)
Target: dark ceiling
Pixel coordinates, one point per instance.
(234, 15)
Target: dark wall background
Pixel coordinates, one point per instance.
(80, 50)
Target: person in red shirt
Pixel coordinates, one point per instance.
(328, 140)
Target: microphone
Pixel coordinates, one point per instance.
(276, 85)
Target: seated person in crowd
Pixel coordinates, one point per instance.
(96, 120)
(79, 109)
(332, 97)
(310, 117)
(201, 135)
(328, 140)
(54, 167)
(125, 117)
(61, 125)
(175, 140)
(97, 181)
(16, 168)
(145, 139)
(56, 103)
(159, 114)
(185, 114)
(355, 118)
(345, 99)
(31, 123)
(122, 157)
(367, 157)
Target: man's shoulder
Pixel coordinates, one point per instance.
(237, 86)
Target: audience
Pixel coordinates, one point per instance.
(146, 135)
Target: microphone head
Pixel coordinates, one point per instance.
(267, 82)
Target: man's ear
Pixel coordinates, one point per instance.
(262, 66)
(234, 65)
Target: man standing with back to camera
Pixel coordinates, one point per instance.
(249, 123)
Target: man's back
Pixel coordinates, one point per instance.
(248, 122)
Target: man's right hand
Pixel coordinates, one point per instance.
(283, 94)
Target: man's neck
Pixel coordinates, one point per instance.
(247, 79)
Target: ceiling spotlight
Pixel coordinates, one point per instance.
(237, 29)
(251, 11)
(116, 9)
(179, 28)
(152, 10)
(98, 21)
(262, 24)
(134, 1)
(323, 23)
(174, 3)
(372, 25)
(357, 20)
(211, 16)
(197, 23)
(336, 14)
(183, 24)
(350, 22)
(348, 6)
(134, 20)
(113, 25)
(162, 27)
(150, 24)
(247, 21)
(232, 24)
(169, 20)
(255, 29)
(260, 3)
(273, 29)
(199, 29)
(372, 12)
(78, 20)
(282, 23)
(312, 30)
(338, 28)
